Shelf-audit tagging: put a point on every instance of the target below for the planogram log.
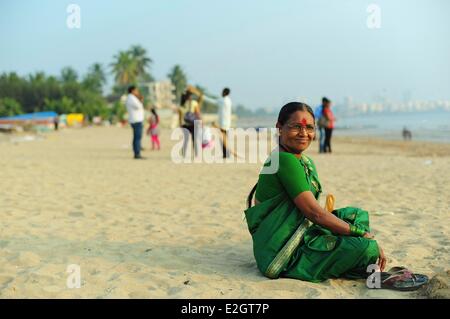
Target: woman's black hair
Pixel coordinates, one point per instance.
(250, 196)
(284, 115)
(184, 97)
(292, 107)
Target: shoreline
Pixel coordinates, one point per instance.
(413, 148)
(439, 148)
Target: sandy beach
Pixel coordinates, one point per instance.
(156, 229)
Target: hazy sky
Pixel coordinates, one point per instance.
(267, 52)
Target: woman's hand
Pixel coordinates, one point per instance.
(381, 259)
(369, 236)
(308, 205)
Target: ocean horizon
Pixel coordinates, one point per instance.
(433, 126)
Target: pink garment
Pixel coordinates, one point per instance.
(153, 130)
(208, 144)
(155, 141)
(330, 116)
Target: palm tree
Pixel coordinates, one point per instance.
(143, 61)
(68, 75)
(95, 78)
(38, 77)
(124, 68)
(39, 89)
(97, 71)
(178, 79)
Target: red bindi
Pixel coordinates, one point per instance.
(303, 122)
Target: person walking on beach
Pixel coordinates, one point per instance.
(135, 110)
(153, 130)
(224, 117)
(318, 114)
(328, 125)
(189, 112)
(407, 135)
(56, 122)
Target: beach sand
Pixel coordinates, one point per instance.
(156, 229)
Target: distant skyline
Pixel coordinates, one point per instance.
(268, 52)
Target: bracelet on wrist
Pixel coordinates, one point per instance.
(356, 231)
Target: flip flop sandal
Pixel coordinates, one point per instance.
(402, 279)
(396, 269)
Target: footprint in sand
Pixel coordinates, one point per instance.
(137, 295)
(132, 268)
(312, 293)
(442, 250)
(5, 281)
(94, 272)
(76, 214)
(109, 290)
(3, 243)
(26, 259)
(114, 277)
(215, 205)
(399, 253)
(101, 216)
(173, 290)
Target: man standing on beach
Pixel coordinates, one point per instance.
(224, 117)
(135, 110)
(318, 113)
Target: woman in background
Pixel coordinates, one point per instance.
(328, 114)
(189, 112)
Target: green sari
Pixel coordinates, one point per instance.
(286, 244)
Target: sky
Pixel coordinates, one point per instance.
(267, 52)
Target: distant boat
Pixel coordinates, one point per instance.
(32, 118)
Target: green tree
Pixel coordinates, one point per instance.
(143, 62)
(38, 92)
(179, 80)
(9, 107)
(91, 104)
(69, 75)
(36, 89)
(95, 78)
(98, 72)
(12, 85)
(124, 68)
(61, 106)
(118, 111)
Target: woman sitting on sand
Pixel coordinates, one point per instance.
(285, 244)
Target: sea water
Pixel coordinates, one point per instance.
(424, 126)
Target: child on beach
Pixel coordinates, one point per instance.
(153, 130)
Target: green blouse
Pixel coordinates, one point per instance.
(293, 176)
